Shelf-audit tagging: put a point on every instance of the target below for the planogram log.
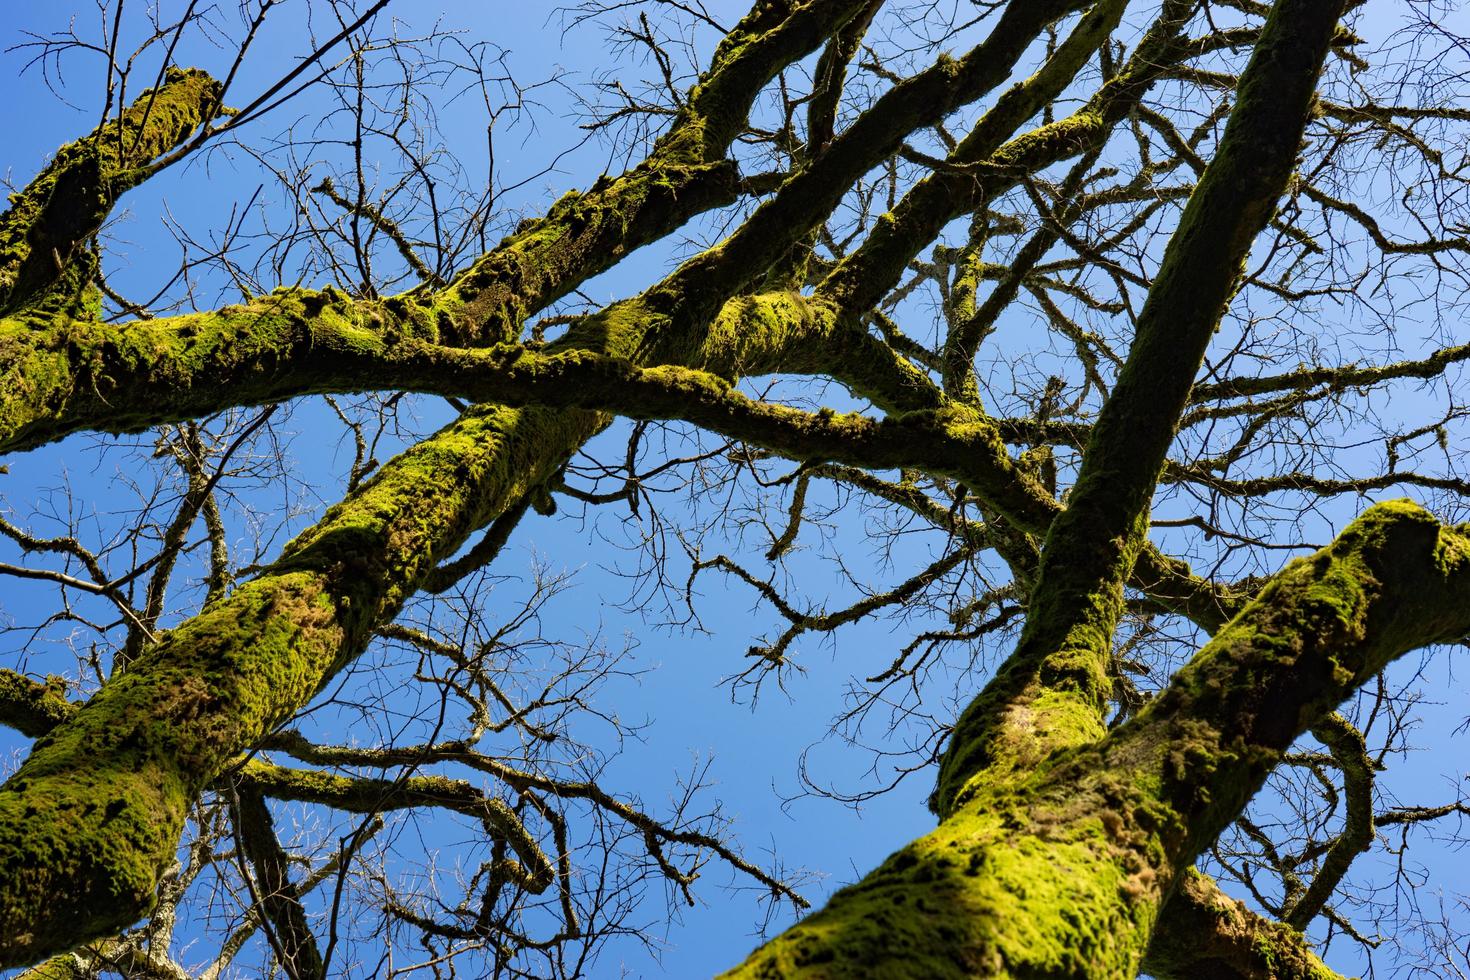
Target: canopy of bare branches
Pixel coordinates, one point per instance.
(1098, 364)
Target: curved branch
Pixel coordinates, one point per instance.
(43, 234)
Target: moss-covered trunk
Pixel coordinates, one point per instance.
(1065, 870)
(93, 816)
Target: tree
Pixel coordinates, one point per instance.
(1178, 195)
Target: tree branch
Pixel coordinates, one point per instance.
(43, 234)
(1203, 933)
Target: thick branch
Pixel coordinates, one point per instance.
(49, 222)
(1203, 934)
(371, 796)
(105, 794)
(30, 708)
(1061, 872)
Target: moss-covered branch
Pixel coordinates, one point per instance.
(1350, 752)
(367, 795)
(127, 958)
(1340, 378)
(526, 781)
(1062, 871)
(43, 235)
(1204, 934)
(62, 375)
(93, 816)
(809, 196)
(30, 708)
(587, 232)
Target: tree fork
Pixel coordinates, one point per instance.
(1065, 871)
(1052, 692)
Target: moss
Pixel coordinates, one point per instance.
(1202, 932)
(66, 967)
(755, 334)
(64, 373)
(768, 38)
(1003, 888)
(43, 234)
(94, 814)
(1052, 693)
(581, 235)
(92, 818)
(1035, 728)
(32, 708)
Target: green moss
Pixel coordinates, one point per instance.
(582, 234)
(63, 373)
(1001, 889)
(1035, 728)
(94, 814)
(32, 708)
(1202, 932)
(43, 235)
(66, 967)
(1052, 693)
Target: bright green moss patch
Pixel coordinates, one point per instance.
(998, 890)
(63, 373)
